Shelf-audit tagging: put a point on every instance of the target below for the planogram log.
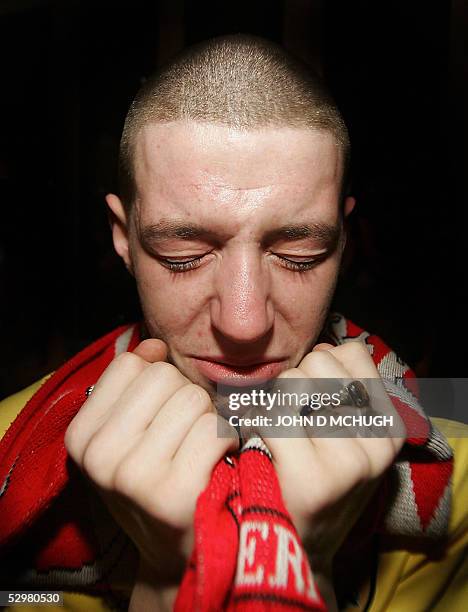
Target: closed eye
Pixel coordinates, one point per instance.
(297, 265)
(300, 265)
(182, 265)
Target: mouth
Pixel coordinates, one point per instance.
(238, 374)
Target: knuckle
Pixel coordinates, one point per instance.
(95, 464)
(200, 397)
(387, 454)
(360, 468)
(208, 421)
(292, 373)
(127, 359)
(356, 348)
(317, 359)
(126, 362)
(310, 498)
(72, 440)
(172, 501)
(125, 479)
(191, 466)
(162, 369)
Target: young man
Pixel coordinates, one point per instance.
(231, 218)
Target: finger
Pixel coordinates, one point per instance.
(152, 350)
(158, 485)
(127, 421)
(120, 373)
(117, 377)
(283, 448)
(323, 346)
(209, 440)
(323, 364)
(355, 357)
(359, 362)
(170, 426)
(327, 372)
(144, 397)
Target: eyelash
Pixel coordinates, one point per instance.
(181, 266)
(299, 266)
(295, 266)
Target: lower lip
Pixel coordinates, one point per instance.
(237, 376)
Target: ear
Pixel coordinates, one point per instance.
(349, 205)
(119, 226)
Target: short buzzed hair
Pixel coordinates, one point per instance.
(239, 81)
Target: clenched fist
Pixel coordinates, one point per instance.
(147, 439)
(327, 482)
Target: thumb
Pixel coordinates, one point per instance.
(152, 350)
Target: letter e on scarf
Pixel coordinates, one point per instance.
(246, 557)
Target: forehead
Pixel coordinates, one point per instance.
(204, 165)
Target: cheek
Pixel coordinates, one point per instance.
(170, 302)
(303, 298)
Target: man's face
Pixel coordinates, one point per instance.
(235, 242)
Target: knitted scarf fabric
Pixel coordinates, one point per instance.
(247, 554)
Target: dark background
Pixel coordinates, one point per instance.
(69, 71)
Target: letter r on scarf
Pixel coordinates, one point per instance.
(285, 557)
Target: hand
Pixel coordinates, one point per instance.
(327, 482)
(147, 439)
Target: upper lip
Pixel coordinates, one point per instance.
(240, 363)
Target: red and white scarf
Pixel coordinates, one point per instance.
(247, 554)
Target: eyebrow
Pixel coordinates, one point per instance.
(323, 232)
(167, 229)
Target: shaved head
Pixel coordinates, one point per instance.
(239, 81)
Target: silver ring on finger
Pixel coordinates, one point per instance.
(354, 394)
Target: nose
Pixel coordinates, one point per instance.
(241, 308)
